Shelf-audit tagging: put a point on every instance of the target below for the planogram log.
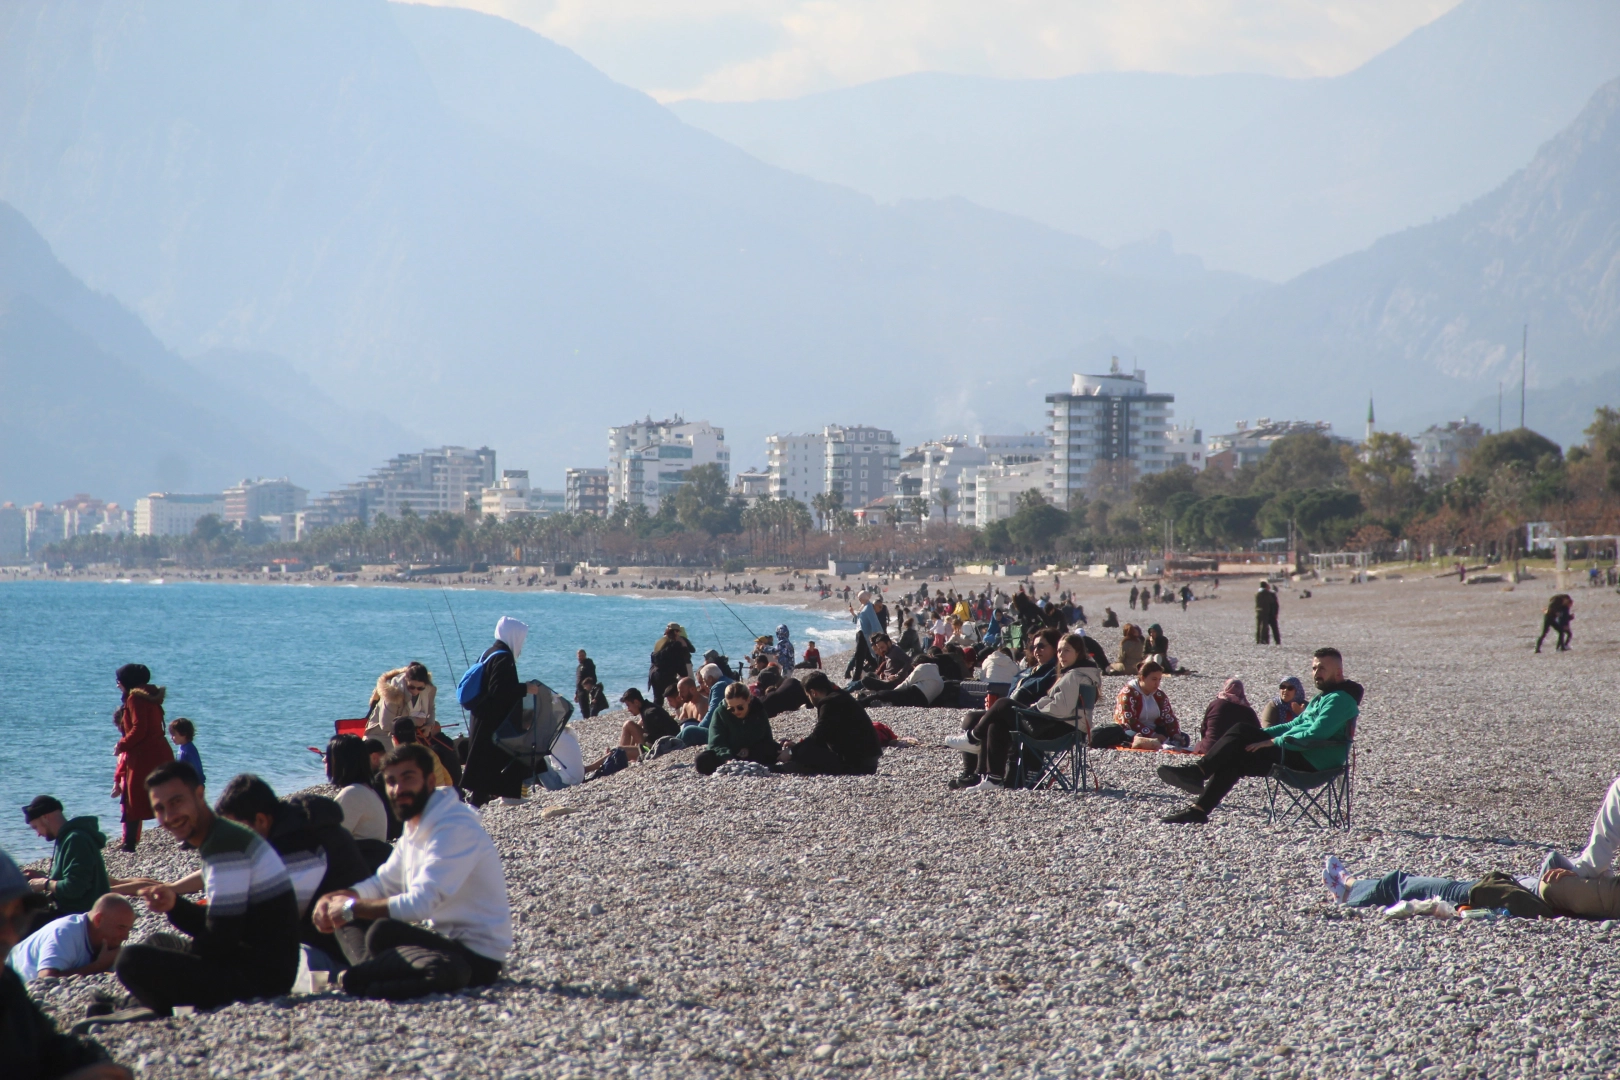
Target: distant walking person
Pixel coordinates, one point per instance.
(141, 746)
(1265, 616)
(1556, 618)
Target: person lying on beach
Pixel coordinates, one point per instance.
(83, 944)
(921, 687)
(1496, 890)
(30, 1045)
(444, 871)
(244, 941)
(987, 734)
(740, 731)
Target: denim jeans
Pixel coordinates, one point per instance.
(1400, 885)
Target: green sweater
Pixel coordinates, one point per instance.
(76, 866)
(728, 734)
(1322, 732)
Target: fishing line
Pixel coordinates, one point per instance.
(457, 625)
(715, 629)
(739, 618)
(447, 661)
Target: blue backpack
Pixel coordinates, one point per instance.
(472, 687)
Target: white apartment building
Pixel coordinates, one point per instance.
(585, 491)
(513, 495)
(1442, 448)
(1185, 446)
(752, 485)
(1104, 420)
(998, 488)
(861, 462)
(648, 460)
(253, 499)
(952, 463)
(170, 514)
(429, 482)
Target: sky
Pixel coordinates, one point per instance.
(747, 50)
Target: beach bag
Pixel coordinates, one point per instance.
(615, 761)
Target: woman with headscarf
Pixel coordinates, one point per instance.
(141, 746)
(1230, 708)
(1287, 705)
(491, 772)
(671, 659)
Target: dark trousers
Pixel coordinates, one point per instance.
(811, 757)
(162, 978)
(1230, 760)
(862, 659)
(911, 696)
(877, 685)
(764, 754)
(993, 727)
(787, 697)
(1265, 628)
(399, 960)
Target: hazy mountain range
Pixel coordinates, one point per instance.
(1269, 176)
(454, 225)
(93, 402)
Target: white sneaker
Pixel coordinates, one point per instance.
(1334, 873)
(962, 741)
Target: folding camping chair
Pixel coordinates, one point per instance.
(1059, 762)
(1321, 799)
(532, 729)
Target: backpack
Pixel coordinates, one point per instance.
(473, 685)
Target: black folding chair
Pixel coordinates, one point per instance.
(1059, 762)
(1321, 799)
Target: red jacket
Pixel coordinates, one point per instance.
(144, 747)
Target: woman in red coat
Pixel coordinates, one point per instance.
(141, 747)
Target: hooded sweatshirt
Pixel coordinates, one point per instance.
(446, 874)
(77, 867)
(513, 632)
(784, 649)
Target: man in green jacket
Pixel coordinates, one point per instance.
(78, 876)
(1316, 740)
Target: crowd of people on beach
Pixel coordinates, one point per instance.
(391, 887)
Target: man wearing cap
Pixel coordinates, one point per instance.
(30, 1046)
(78, 876)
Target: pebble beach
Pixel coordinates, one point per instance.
(670, 925)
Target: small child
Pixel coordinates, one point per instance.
(183, 732)
(812, 656)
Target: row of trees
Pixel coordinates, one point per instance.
(1328, 495)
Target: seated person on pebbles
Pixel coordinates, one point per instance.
(1058, 712)
(893, 665)
(1317, 740)
(1143, 713)
(244, 941)
(843, 742)
(1031, 685)
(649, 722)
(1586, 885)
(739, 731)
(84, 944)
(444, 871)
(30, 1045)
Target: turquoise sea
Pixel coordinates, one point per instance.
(263, 670)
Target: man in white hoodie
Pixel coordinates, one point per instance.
(438, 915)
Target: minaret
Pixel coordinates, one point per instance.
(1370, 419)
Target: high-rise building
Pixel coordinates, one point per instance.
(253, 499)
(1442, 448)
(1185, 446)
(648, 461)
(170, 514)
(859, 462)
(997, 489)
(429, 482)
(13, 534)
(585, 491)
(1106, 429)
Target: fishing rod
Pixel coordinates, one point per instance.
(447, 661)
(457, 625)
(739, 618)
(715, 629)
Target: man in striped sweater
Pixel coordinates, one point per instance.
(244, 941)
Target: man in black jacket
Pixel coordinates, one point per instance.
(893, 665)
(30, 1046)
(843, 742)
(307, 832)
(1265, 616)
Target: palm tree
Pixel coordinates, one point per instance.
(827, 505)
(945, 497)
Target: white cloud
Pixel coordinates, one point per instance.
(739, 50)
